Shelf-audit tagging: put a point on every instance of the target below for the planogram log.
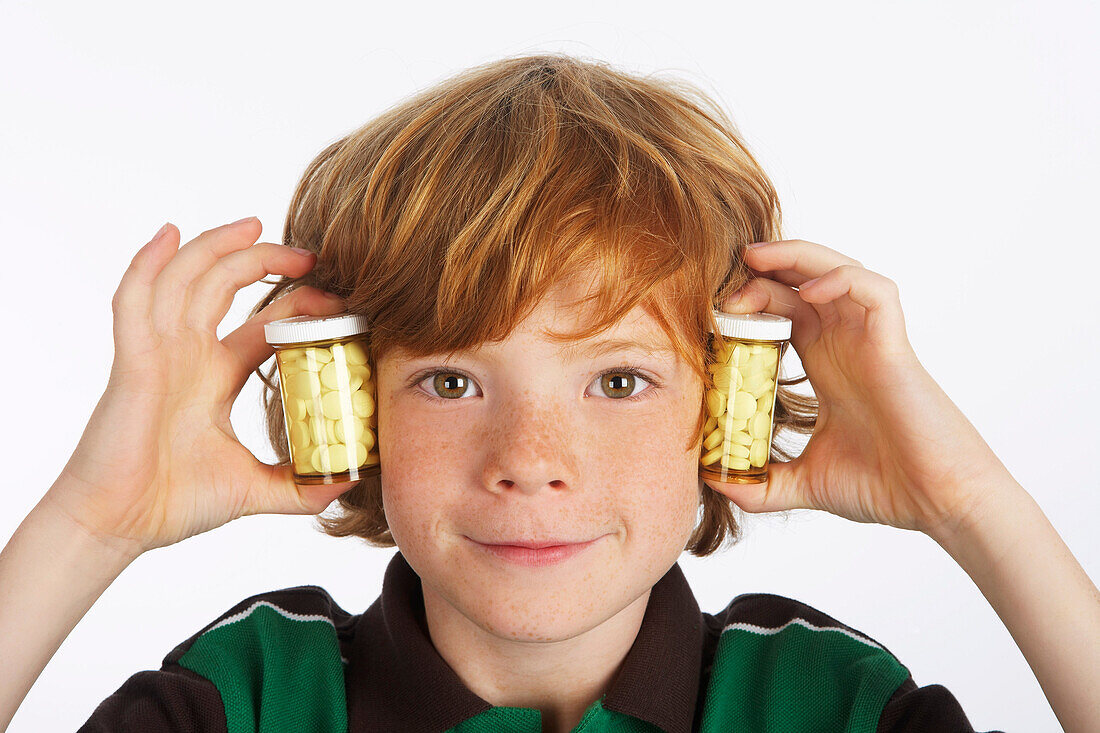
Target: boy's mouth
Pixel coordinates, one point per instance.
(536, 544)
(536, 553)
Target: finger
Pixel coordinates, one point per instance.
(172, 286)
(782, 491)
(212, 294)
(762, 295)
(248, 342)
(131, 303)
(805, 260)
(280, 495)
(876, 294)
(795, 261)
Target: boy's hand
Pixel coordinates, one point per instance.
(889, 447)
(158, 461)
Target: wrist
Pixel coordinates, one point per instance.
(993, 499)
(111, 552)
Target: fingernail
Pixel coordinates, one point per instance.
(808, 283)
(160, 233)
(242, 221)
(334, 297)
(301, 251)
(755, 245)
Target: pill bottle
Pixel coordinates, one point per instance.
(329, 396)
(744, 363)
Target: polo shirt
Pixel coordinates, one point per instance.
(293, 660)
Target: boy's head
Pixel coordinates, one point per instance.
(496, 227)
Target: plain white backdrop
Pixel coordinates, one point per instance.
(949, 146)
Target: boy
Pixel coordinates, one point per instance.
(539, 243)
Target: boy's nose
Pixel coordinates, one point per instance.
(529, 448)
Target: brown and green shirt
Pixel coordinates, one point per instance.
(293, 660)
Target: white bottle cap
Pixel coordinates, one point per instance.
(300, 329)
(757, 326)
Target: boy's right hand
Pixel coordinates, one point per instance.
(158, 461)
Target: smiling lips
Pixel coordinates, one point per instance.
(536, 554)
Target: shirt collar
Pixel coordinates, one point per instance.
(396, 679)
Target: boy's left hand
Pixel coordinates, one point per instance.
(889, 447)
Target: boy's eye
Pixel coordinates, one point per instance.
(618, 384)
(450, 385)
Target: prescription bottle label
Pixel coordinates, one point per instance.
(328, 395)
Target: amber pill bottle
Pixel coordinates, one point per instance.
(329, 396)
(740, 396)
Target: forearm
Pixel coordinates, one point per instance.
(51, 572)
(1041, 593)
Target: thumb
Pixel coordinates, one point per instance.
(280, 495)
(782, 490)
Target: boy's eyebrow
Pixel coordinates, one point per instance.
(608, 346)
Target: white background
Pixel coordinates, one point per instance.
(949, 146)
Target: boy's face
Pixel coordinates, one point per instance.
(527, 439)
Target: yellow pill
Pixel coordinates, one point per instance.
(727, 423)
(716, 402)
(357, 376)
(303, 463)
(712, 456)
(349, 429)
(313, 406)
(333, 404)
(316, 357)
(330, 432)
(367, 439)
(758, 385)
(709, 425)
(760, 425)
(288, 367)
(319, 459)
(766, 401)
(758, 453)
(304, 385)
(728, 378)
(740, 451)
(331, 374)
(771, 356)
(752, 369)
(317, 433)
(299, 436)
(337, 372)
(296, 408)
(739, 437)
(360, 453)
(362, 403)
(744, 406)
(735, 463)
(338, 458)
(714, 438)
(354, 353)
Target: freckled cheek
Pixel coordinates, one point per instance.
(655, 481)
(418, 477)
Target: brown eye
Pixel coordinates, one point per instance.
(450, 385)
(617, 384)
